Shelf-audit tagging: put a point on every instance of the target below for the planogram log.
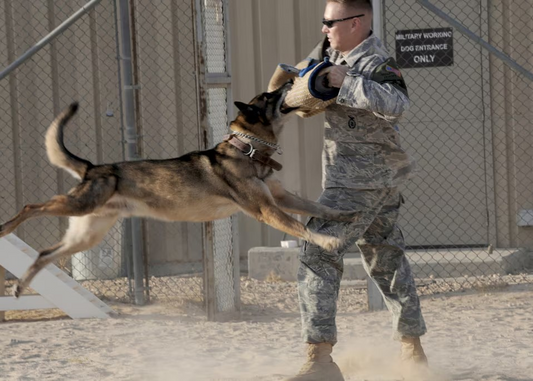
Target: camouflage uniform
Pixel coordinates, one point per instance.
(363, 164)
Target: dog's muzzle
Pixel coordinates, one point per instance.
(311, 93)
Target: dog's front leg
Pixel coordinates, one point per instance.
(292, 203)
(258, 202)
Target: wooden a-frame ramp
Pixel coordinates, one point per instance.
(56, 289)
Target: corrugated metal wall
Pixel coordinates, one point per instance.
(447, 203)
(263, 34)
(511, 107)
(483, 161)
(167, 112)
(82, 65)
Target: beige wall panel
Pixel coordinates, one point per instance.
(245, 85)
(77, 80)
(72, 71)
(276, 44)
(36, 110)
(488, 126)
(521, 32)
(499, 79)
(79, 65)
(168, 112)
(185, 85)
(311, 131)
(511, 31)
(444, 128)
(264, 34)
(156, 78)
(157, 114)
(449, 105)
(434, 212)
(449, 123)
(107, 91)
(243, 43)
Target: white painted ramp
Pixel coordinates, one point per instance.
(56, 289)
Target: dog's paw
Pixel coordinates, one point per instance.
(328, 243)
(347, 216)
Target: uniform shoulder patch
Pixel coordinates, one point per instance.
(389, 72)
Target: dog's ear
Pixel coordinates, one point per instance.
(269, 95)
(245, 108)
(249, 111)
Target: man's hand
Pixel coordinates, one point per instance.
(336, 75)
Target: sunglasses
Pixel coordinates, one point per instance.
(330, 23)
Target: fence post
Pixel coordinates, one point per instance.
(375, 299)
(377, 21)
(2, 289)
(128, 109)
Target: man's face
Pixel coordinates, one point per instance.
(343, 34)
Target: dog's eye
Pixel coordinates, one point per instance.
(268, 95)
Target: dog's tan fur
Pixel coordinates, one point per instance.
(199, 186)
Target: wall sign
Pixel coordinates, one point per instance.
(424, 47)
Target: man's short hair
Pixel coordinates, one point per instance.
(359, 4)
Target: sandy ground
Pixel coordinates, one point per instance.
(473, 336)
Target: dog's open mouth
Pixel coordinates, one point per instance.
(284, 108)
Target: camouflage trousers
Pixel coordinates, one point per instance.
(381, 244)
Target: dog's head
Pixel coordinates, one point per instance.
(265, 114)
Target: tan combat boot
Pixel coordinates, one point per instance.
(412, 352)
(319, 365)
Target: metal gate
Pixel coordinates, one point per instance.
(153, 83)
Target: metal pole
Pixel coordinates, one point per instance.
(377, 20)
(130, 136)
(474, 37)
(2, 289)
(203, 140)
(49, 38)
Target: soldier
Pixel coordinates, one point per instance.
(363, 165)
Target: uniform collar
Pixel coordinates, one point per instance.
(370, 46)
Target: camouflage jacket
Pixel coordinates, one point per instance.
(362, 144)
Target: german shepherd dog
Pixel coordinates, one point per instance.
(198, 186)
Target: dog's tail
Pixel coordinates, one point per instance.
(58, 154)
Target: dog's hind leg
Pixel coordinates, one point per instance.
(81, 200)
(82, 234)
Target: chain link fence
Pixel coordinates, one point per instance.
(468, 66)
(166, 106)
(468, 215)
(80, 64)
(85, 63)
